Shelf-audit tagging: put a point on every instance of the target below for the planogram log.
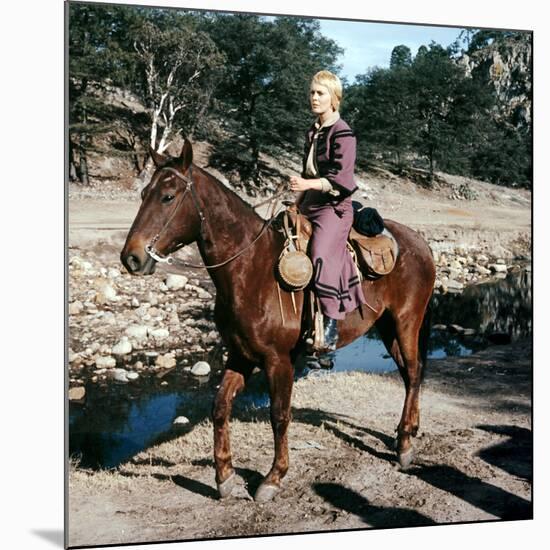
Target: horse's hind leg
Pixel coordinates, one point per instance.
(401, 339)
(234, 378)
(279, 373)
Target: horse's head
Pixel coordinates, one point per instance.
(167, 218)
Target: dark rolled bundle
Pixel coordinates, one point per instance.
(367, 220)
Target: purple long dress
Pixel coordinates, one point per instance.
(330, 212)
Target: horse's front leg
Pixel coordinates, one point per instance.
(280, 375)
(233, 381)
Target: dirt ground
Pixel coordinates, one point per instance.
(473, 453)
(473, 461)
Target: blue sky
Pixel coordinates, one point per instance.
(370, 44)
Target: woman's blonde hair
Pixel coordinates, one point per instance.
(333, 84)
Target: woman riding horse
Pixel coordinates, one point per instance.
(325, 188)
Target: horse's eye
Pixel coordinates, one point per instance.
(167, 199)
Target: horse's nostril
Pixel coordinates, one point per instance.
(133, 262)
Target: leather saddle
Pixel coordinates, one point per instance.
(374, 256)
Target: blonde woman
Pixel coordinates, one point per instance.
(324, 197)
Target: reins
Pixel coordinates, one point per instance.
(175, 262)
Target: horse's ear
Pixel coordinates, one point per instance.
(186, 156)
(158, 158)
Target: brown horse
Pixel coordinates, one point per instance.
(183, 204)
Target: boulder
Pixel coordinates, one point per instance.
(201, 368)
(77, 394)
(498, 268)
(122, 348)
(176, 282)
(105, 362)
(139, 332)
(181, 421)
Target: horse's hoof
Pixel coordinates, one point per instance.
(266, 492)
(226, 487)
(406, 458)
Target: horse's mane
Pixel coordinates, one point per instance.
(230, 192)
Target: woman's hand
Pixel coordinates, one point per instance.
(299, 184)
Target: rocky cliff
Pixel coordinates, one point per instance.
(506, 65)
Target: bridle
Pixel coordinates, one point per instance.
(189, 188)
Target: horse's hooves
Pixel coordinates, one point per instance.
(406, 458)
(266, 492)
(226, 487)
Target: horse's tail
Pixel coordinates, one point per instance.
(423, 338)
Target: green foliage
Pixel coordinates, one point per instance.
(241, 82)
(400, 57)
(430, 113)
(263, 97)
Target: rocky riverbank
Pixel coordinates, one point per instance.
(124, 328)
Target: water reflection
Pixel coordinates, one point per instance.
(503, 306)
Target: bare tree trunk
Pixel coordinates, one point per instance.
(431, 180)
(83, 168)
(73, 176)
(82, 145)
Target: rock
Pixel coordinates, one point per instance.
(77, 394)
(139, 332)
(211, 337)
(454, 285)
(80, 264)
(159, 333)
(455, 329)
(155, 312)
(132, 375)
(142, 310)
(468, 332)
(203, 295)
(455, 273)
(122, 348)
(106, 293)
(105, 362)
(166, 361)
(119, 375)
(481, 258)
(113, 273)
(174, 319)
(439, 327)
(176, 282)
(181, 421)
(482, 270)
(201, 368)
(134, 302)
(108, 317)
(498, 268)
(75, 308)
